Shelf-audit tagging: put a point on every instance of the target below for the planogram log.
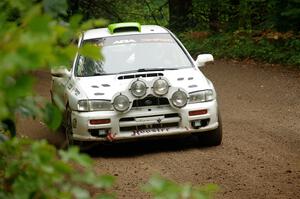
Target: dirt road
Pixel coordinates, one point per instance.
(260, 154)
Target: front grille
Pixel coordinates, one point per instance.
(130, 119)
(150, 101)
(158, 121)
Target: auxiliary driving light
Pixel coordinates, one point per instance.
(160, 87)
(179, 99)
(138, 88)
(121, 103)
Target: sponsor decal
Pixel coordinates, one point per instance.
(124, 41)
(156, 40)
(77, 92)
(70, 86)
(146, 131)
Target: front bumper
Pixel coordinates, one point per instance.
(144, 122)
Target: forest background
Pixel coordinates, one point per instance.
(263, 30)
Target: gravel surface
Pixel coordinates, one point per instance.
(260, 153)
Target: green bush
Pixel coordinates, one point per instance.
(35, 169)
(162, 188)
(241, 45)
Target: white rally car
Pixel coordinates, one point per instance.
(146, 85)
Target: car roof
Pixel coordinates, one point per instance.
(104, 32)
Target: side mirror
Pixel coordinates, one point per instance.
(203, 58)
(60, 72)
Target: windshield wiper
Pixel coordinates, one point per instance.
(101, 74)
(155, 69)
(147, 70)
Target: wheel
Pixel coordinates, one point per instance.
(67, 128)
(213, 137)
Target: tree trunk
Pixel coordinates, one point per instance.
(213, 16)
(180, 12)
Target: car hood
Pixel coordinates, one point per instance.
(106, 86)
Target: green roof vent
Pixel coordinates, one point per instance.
(124, 27)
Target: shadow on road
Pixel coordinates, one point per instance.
(138, 148)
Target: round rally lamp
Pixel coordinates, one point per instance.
(138, 88)
(179, 99)
(121, 103)
(160, 87)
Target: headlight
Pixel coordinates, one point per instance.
(202, 96)
(138, 88)
(94, 105)
(121, 103)
(160, 87)
(83, 105)
(179, 99)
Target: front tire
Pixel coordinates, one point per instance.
(67, 129)
(213, 137)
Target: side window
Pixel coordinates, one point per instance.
(88, 67)
(80, 66)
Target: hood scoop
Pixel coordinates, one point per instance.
(140, 75)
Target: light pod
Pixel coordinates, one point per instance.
(121, 103)
(160, 87)
(179, 99)
(138, 88)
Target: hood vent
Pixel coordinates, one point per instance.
(140, 75)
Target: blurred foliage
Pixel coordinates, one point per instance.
(34, 36)
(35, 169)
(162, 188)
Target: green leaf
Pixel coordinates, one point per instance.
(39, 25)
(52, 117)
(91, 51)
(104, 181)
(19, 87)
(75, 21)
(80, 193)
(163, 188)
(87, 25)
(95, 23)
(72, 154)
(106, 196)
(32, 13)
(55, 7)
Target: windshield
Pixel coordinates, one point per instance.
(134, 53)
